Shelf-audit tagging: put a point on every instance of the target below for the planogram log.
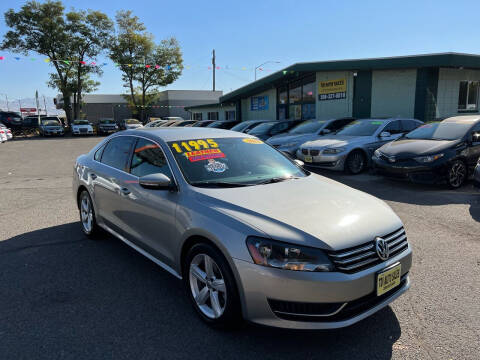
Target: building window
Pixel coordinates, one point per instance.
(468, 96)
(212, 115)
(197, 116)
(282, 96)
(308, 92)
(229, 115)
(295, 93)
(297, 100)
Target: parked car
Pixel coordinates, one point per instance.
(3, 135)
(309, 130)
(228, 230)
(352, 147)
(128, 124)
(82, 127)
(106, 126)
(172, 118)
(155, 123)
(245, 126)
(203, 123)
(222, 124)
(445, 151)
(7, 131)
(51, 125)
(476, 175)
(11, 119)
(266, 130)
(186, 123)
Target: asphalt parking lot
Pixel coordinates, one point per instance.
(63, 296)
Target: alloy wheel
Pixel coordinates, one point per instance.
(208, 286)
(356, 162)
(86, 213)
(457, 174)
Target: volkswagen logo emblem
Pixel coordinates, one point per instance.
(381, 246)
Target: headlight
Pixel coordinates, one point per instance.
(285, 256)
(377, 153)
(333, 150)
(429, 158)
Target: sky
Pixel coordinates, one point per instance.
(248, 33)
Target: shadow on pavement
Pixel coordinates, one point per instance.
(407, 192)
(64, 296)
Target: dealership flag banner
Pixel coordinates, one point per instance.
(332, 89)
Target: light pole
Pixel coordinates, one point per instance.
(6, 98)
(266, 62)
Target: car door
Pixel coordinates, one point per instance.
(110, 179)
(149, 214)
(473, 153)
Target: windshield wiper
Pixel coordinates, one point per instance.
(223, 184)
(275, 180)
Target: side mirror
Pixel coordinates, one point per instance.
(385, 134)
(156, 182)
(299, 162)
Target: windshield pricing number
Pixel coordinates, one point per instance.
(188, 146)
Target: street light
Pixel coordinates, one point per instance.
(266, 62)
(6, 98)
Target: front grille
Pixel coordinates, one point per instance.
(83, 130)
(305, 151)
(363, 256)
(314, 152)
(309, 312)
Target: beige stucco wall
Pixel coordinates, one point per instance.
(393, 93)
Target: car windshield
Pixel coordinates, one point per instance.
(440, 131)
(223, 162)
(361, 128)
(80, 122)
(50, 122)
(106, 121)
(241, 126)
(132, 121)
(307, 127)
(263, 128)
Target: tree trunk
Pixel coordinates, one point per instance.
(67, 106)
(75, 113)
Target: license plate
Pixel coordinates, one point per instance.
(308, 159)
(388, 279)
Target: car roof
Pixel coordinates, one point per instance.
(464, 119)
(185, 133)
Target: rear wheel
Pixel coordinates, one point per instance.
(457, 174)
(87, 215)
(211, 286)
(355, 162)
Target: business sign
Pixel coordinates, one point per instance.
(28, 110)
(258, 103)
(332, 89)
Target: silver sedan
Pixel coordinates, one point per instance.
(351, 148)
(212, 208)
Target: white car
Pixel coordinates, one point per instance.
(82, 127)
(7, 131)
(132, 124)
(3, 135)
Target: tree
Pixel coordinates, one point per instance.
(41, 28)
(145, 66)
(89, 33)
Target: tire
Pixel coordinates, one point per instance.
(457, 174)
(355, 163)
(209, 284)
(87, 215)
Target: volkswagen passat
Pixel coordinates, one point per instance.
(209, 206)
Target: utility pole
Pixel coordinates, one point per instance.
(213, 67)
(45, 105)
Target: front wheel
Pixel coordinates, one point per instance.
(355, 162)
(211, 287)
(457, 174)
(87, 215)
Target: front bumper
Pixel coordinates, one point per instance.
(412, 171)
(332, 162)
(260, 285)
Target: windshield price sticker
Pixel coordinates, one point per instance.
(192, 145)
(376, 122)
(204, 154)
(252, 141)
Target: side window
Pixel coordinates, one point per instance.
(98, 153)
(476, 134)
(148, 158)
(335, 125)
(279, 128)
(117, 152)
(393, 127)
(409, 125)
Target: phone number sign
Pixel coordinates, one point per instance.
(332, 89)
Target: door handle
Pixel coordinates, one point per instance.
(93, 176)
(124, 191)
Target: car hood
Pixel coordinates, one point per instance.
(313, 211)
(336, 141)
(412, 147)
(286, 139)
(81, 126)
(133, 126)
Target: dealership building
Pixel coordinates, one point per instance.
(425, 87)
